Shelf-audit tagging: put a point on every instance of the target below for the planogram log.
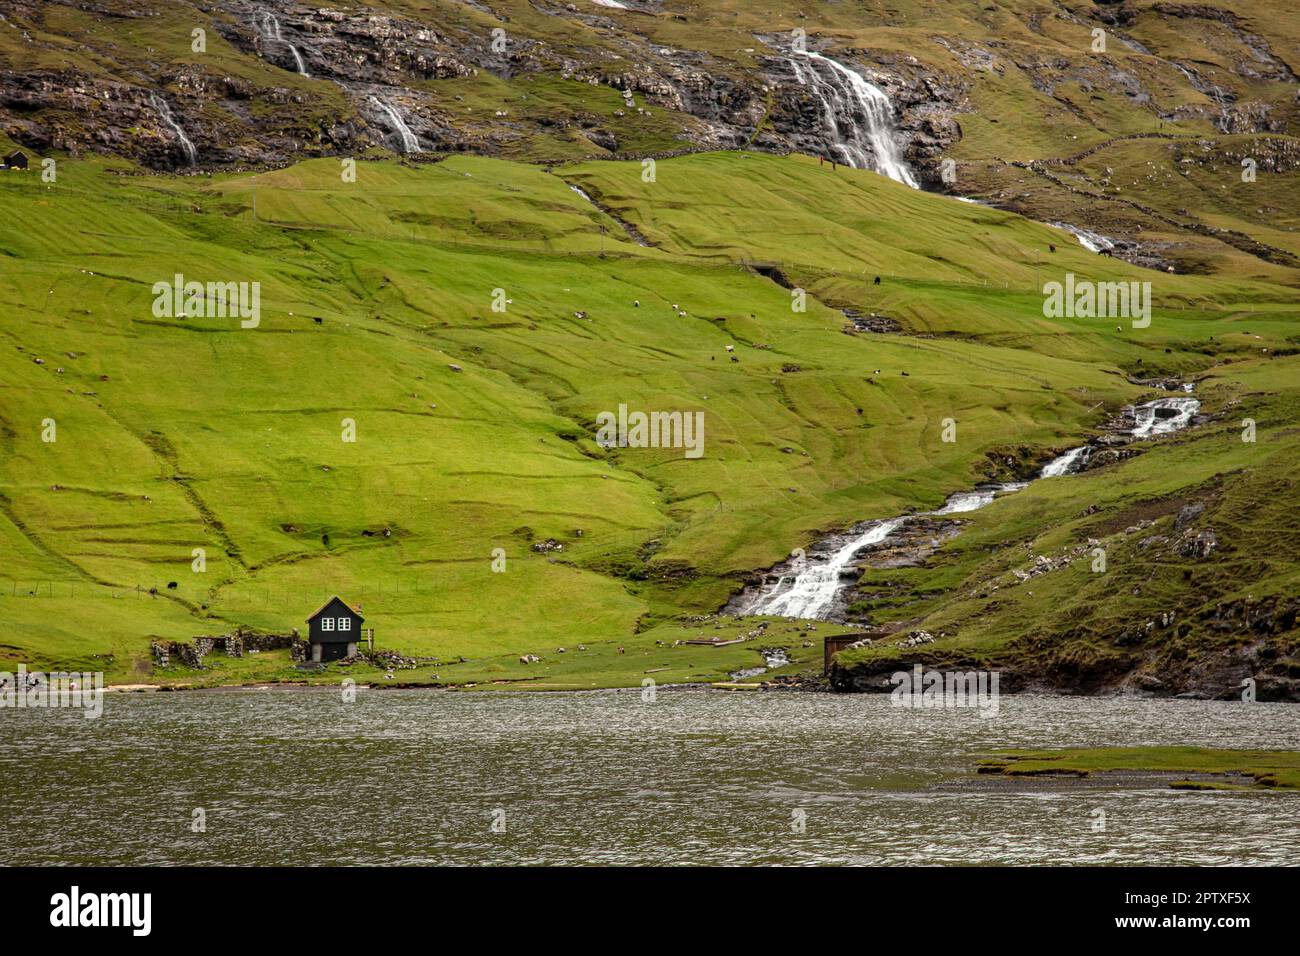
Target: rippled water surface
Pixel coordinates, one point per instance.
(704, 777)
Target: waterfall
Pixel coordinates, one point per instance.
(809, 591)
(813, 589)
(409, 143)
(1162, 416)
(1066, 464)
(271, 30)
(858, 115)
(1092, 241)
(165, 114)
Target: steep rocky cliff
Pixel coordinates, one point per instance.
(993, 89)
(271, 82)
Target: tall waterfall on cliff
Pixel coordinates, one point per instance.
(409, 142)
(858, 115)
(271, 30)
(165, 114)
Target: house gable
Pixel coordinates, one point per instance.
(334, 623)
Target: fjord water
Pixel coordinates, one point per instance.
(696, 777)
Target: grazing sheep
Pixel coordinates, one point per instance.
(877, 282)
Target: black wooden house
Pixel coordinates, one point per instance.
(16, 160)
(334, 630)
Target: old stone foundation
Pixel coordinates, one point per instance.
(191, 653)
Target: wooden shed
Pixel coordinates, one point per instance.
(334, 630)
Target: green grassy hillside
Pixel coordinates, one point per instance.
(475, 428)
(1138, 138)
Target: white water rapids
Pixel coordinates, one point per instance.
(165, 114)
(809, 589)
(858, 115)
(1092, 241)
(1067, 463)
(1163, 416)
(807, 592)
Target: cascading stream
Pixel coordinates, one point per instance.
(165, 114)
(858, 115)
(1163, 416)
(269, 26)
(810, 591)
(271, 30)
(1092, 241)
(410, 144)
(1066, 464)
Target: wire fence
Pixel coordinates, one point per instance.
(243, 596)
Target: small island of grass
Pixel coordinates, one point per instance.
(1264, 768)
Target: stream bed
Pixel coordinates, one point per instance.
(812, 587)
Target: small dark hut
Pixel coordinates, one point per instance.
(334, 630)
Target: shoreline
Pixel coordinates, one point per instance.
(721, 686)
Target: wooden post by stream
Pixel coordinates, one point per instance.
(834, 644)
